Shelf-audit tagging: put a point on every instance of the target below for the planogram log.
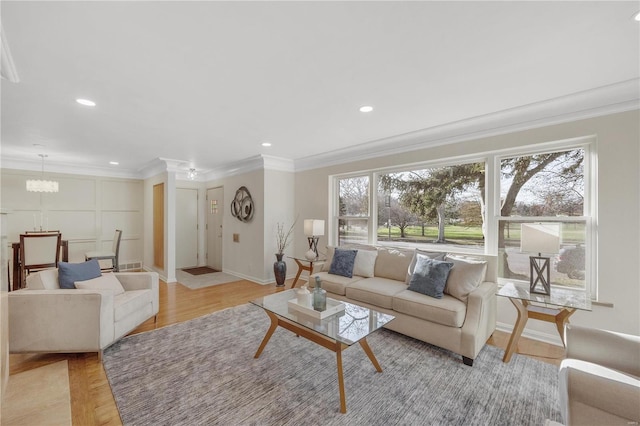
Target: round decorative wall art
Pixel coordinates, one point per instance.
(242, 205)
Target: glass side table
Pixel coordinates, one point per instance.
(555, 308)
(304, 264)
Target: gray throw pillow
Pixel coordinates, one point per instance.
(430, 276)
(69, 273)
(342, 262)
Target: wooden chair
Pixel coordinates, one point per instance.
(39, 251)
(113, 255)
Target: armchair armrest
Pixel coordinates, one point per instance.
(60, 320)
(593, 394)
(610, 349)
(142, 281)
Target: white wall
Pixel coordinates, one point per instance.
(279, 208)
(618, 210)
(87, 210)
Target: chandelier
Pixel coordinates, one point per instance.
(192, 174)
(42, 185)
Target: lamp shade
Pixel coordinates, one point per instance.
(540, 238)
(313, 227)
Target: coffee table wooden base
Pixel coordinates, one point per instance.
(321, 340)
(526, 310)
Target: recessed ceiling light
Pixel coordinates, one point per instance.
(366, 108)
(85, 102)
(266, 144)
(113, 163)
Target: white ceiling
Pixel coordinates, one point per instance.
(206, 82)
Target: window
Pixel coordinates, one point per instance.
(353, 210)
(547, 187)
(480, 206)
(435, 205)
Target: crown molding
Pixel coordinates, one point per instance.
(66, 168)
(257, 162)
(605, 100)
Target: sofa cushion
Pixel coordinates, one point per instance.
(467, 274)
(393, 263)
(343, 262)
(105, 282)
(43, 280)
(336, 284)
(430, 276)
(129, 302)
(375, 291)
(365, 263)
(431, 254)
(447, 311)
(68, 273)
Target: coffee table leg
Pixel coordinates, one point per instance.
(343, 398)
(369, 352)
(272, 328)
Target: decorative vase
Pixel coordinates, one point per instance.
(280, 270)
(319, 297)
(304, 297)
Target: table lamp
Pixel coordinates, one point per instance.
(313, 228)
(540, 238)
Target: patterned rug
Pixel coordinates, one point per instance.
(202, 372)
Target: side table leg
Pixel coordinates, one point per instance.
(343, 398)
(369, 352)
(523, 316)
(272, 328)
(561, 320)
(300, 269)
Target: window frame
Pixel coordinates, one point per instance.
(492, 163)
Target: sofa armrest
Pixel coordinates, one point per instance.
(593, 394)
(142, 281)
(60, 320)
(607, 348)
(480, 320)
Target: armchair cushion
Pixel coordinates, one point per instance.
(105, 282)
(69, 273)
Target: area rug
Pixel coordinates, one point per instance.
(206, 280)
(199, 270)
(202, 372)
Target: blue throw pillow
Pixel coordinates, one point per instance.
(342, 263)
(69, 273)
(430, 276)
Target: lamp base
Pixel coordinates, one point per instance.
(313, 245)
(539, 271)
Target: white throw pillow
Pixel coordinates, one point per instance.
(464, 277)
(43, 280)
(365, 263)
(327, 263)
(107, 281)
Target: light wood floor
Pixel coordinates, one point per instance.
(92, 402)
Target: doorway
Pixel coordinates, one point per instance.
(215, 203)
(186, 227)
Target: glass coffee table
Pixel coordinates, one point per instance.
(556, 308)
(336, 332)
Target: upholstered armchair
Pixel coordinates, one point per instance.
(600, 378)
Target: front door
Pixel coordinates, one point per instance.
(215, 213)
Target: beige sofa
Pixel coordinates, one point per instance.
(461, 321)
(600, 378)
(45, 318)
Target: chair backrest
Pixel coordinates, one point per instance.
(39, 251)
(116, 242)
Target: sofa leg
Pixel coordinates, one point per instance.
(467, 361)
(100, 355)
(155, 319)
